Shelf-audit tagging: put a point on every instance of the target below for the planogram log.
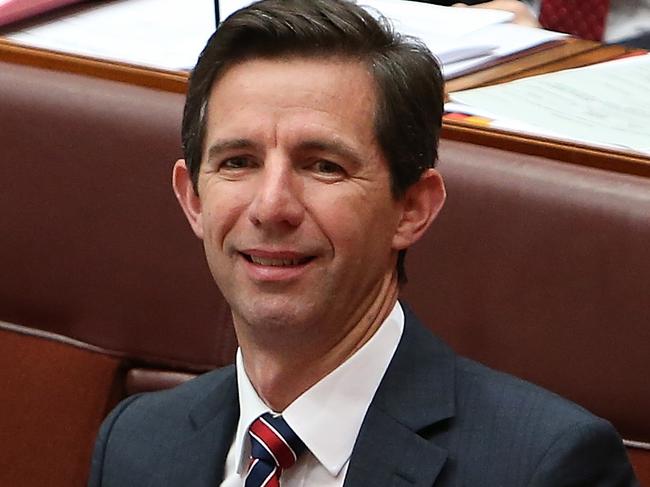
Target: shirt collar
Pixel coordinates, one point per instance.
(336, 404)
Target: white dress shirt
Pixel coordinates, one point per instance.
(626, 18)
(327, 417)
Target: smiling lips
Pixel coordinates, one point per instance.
(276, 267)
(276, 259)
(277, 262)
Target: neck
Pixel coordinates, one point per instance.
(280, 374)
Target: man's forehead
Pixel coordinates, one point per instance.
(307, 104)
(330, 62)
(338, 87)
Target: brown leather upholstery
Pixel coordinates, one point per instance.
(536, 267)
(640, 458)
(54, 396)
(140, 379)
(93, 240)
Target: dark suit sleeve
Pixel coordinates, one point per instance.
(97, 465)
(589, 454)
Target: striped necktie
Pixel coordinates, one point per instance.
(581, 18)
(274, 448)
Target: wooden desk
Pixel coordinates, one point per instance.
(567, 54)
(174, 81)
(573, 53)
(570, 53)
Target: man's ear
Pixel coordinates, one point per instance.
(187, 197)
(421, 204)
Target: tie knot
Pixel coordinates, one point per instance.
(274, 442)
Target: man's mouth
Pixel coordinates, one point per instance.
(277, 262)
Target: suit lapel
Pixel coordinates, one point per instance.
(416, 393)
(199, 458)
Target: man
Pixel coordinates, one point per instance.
(310, 135)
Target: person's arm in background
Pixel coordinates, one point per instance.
(524, 10)
(628, 21)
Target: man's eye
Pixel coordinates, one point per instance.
(234, 163)
(328, 168)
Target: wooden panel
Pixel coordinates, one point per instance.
(574, 153)
(602, 54)
(174, 81)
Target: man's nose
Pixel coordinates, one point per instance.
(278, 197)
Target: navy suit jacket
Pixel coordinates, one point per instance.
(437, 419)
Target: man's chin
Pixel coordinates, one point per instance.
(270, 317)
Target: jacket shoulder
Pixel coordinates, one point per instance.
(501, 391)
(145, 428)
(513, 429)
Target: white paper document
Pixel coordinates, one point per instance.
(163, 34)
(508, 39)
(606, 105)
(169, 34)
(443, 30)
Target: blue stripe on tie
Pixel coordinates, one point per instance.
(258, 474)
(280, 425)
(261, 451)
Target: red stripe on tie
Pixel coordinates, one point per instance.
(275, 443)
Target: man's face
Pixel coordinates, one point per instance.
(294, 204)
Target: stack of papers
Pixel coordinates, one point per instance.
(464, 40)
(605, 105)
(169, 34)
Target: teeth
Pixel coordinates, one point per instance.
(275, 262)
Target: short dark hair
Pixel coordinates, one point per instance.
(408, 78)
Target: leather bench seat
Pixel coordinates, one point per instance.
(93, 239)
(54, 395)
